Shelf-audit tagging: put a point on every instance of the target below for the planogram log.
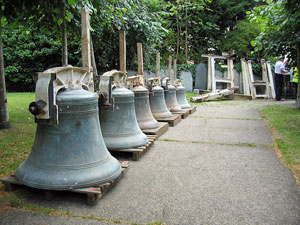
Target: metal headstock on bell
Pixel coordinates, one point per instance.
(49, 83)
(108, 81)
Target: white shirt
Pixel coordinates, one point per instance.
(279, 66)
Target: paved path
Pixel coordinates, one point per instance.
(215, 167)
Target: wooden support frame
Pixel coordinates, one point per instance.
(211, 78)
(267, 79)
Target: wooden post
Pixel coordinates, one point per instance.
(170, 66)
(230, 72)
(265, 78)
(270, 75)
(213, 78)
(85, 39)
(245, 77)
(122, 43)
(175, 70)
(157, 71)
(208, 74)
(140, 59)
(251, 80)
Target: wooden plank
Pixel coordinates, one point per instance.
(251, 79)
(213, 56)
(214, 95)
(193, 109)
(85, 39)
(209, 75)
(173, 121)
(140, 59)
(170, 66)
(175, 70)
(163, 127)
(93, 193)
(122, 53)
(264, 76)
(231, 72)
(246, 85)
(270, 76)
(213, 82)
(157, 69)
(184, 113)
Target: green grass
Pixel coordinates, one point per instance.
(284, 122)
(189, 95)
(16, 143)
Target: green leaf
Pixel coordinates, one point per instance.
(3, 21)
(59, 21)
(71, 2)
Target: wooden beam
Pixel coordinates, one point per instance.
(175, 70)
(214, 56)
(251, 79)
(157, 71)
(270, 75)
(140, 59)
(213, 78)
(85, 39)
(170, 66)
(264, 76)
(214, 95)
(122, 44)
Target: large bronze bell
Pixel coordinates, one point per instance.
(170, 90)
(119, 125)
(142, 108)
(157, 101)
(141, 96)
(158, 105)
(72, 153)
(171, 100)
(181, 98)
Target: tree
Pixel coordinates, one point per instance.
(280, 34)
(4, 116)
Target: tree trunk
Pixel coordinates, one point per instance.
(298, 66)
(64, 35)
(186, 36)
(4, 117)
(95, 72)
(178, 36)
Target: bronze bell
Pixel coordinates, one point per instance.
(181, 97)
(68, 151)
(158, 105)
(118, 122)
(142, 108)
(157, 101)
(171, 100)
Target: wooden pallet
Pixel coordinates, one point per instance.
(193, 109)
(184, 113)
(94, 194)
(163, 127)
(136, 152)
(173, 121)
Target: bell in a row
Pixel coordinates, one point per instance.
(119, 124)
(142, 108)
(72, 153)
(181, 97)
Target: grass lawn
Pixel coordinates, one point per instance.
(16, 143)
(284, 123)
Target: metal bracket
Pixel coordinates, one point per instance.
(108, 81)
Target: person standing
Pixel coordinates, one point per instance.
(279, 71)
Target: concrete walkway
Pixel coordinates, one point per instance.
(215, 167)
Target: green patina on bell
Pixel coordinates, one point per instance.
(71, 154)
